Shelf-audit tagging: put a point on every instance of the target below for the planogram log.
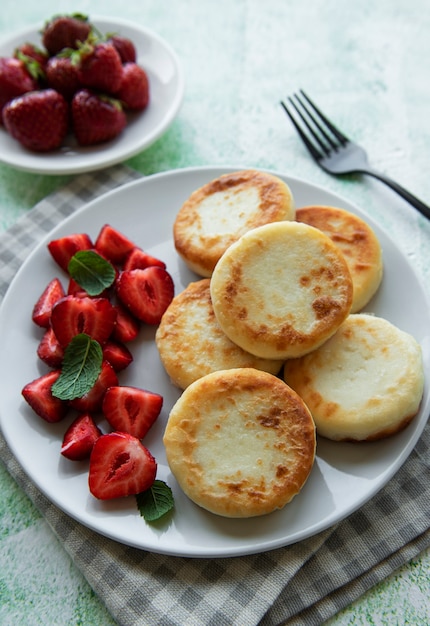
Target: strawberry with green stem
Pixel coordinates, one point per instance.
(65, 31)
(15, 80)
(96, 118)
(39, 120)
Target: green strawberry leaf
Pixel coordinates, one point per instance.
(81, 367)
(91, 271)
(155, 501)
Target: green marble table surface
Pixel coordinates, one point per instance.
(367, 63)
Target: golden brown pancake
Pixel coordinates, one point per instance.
(358, 243)
(281, 290)
(240, 442)
(364, 383)
(218, 213)
(191, 343)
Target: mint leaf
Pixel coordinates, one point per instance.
(155, 501)
(91, 271)
(81, 367)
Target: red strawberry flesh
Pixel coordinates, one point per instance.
(113, 245)
(64, 248)
(80, 438)
(42, 309)
(92, 401)
(73, 315)
(120, 466)
(131, 410)
(38, 394)
(49, 350)
(146, 293)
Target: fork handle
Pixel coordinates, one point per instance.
(406, 195)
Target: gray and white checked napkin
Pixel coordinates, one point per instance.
(302, 584)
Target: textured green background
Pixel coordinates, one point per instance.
(367, 64)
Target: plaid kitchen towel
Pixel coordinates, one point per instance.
(302, 584)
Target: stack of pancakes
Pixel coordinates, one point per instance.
(270, 346)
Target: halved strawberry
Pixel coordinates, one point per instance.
(118, 355)
(75, 314)
(38, 394)
(80, 438)
(64, 248)
(146, 293)
(42, 309)
(92, 401)
(49, 350)
(113, 245)
(74, 289)
(127, 326)
(138, 259)
(120, 466)
(131, 410)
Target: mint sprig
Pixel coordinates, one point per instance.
(81, 367)
(91, 271)
(155, 501)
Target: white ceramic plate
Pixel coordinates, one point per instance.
(344, 476)
(166, 93)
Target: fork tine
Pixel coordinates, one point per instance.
(310, 146)
(336, 132)
(328, 136)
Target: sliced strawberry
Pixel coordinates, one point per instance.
(74, 314)
(127, 326)
(113, 245)
(120, 466)
(80, 438)
(64, 248)
(38, 394)
(92, 401)
(49, 350)
(138, 259)
(131, 410)
(73, 289)
(118, 355)
(146, 293)
(42, 309)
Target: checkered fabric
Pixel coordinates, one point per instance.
(302, 584)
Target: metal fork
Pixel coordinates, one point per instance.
(333, 151)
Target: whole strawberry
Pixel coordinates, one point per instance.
(15, 80)
(62, 75)
(65, 31)
(125, 48)
(38, 119)
(96, 118)
(100, 67)
(134, 88)
(30, 51)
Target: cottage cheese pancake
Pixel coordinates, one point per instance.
(281, 290)
(218, 213)
(240, 442)
(191, 343)
(358, 243)
(364, 383)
